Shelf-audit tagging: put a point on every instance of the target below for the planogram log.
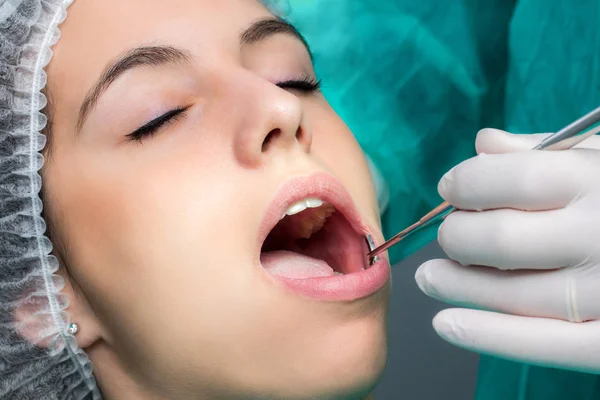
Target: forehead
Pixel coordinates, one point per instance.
(99, 24)
(98, 31)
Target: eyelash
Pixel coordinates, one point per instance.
(305, 85)
(156, 124)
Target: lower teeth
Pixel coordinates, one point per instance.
(337, 273)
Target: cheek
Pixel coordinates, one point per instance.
(151, 249)
(136, 235)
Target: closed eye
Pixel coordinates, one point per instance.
(304, 85)
(156, 124)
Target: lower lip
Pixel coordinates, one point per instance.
(354, 286)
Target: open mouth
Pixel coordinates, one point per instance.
(313, 239)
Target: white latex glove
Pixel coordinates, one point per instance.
(527, 253)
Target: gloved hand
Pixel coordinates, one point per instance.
(525, 253)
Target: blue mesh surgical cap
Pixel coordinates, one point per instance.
(48, 363)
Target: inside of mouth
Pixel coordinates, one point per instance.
(316, 242)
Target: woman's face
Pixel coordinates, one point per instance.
(182, 130)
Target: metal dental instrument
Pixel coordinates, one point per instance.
(566, 138)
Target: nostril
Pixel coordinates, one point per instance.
(299, 135)
(269, 138)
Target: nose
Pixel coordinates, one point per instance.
(274, 124)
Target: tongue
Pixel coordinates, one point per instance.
(287, 264)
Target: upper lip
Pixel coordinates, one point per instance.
(320, 185)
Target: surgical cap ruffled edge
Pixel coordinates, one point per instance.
(34, 27)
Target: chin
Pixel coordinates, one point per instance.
(347, 365)
(358, 365)
(354, 381)
(359, 380)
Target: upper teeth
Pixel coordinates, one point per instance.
(302, 205)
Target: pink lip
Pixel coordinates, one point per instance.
(347, 287)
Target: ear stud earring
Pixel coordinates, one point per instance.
(73, 328)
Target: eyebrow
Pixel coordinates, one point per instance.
(156, 56)
(265, 28)
(153, 56)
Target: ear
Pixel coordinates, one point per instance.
(81, 313)
(39, 329)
